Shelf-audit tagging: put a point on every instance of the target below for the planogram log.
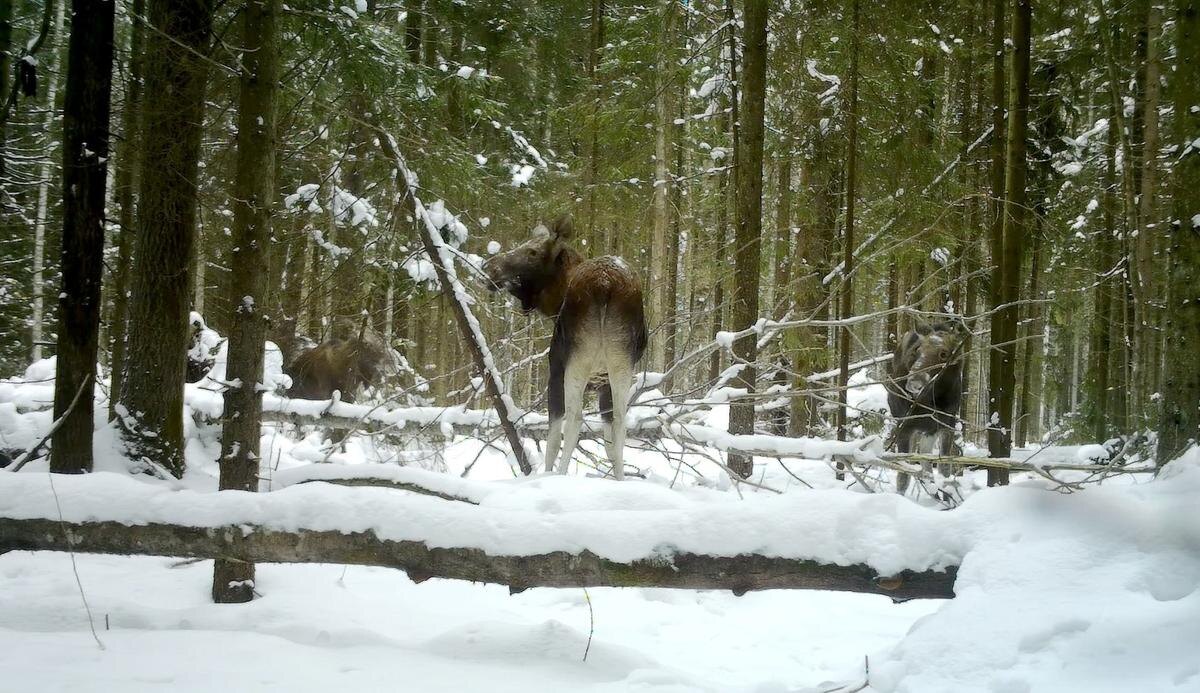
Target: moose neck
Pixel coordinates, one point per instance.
(550, 297)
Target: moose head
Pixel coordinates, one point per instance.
(536, 272)
(927, 349)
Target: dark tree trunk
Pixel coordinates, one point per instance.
(241, 418)
(172, 124)
(85, 170)
(748, 251)
(1016, 222)
(847, 292)
(1181, 382)
(412, 28)
(126, 179)
(996, 236)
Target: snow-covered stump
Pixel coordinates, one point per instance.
(739, 574)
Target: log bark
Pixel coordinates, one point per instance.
(740, 574)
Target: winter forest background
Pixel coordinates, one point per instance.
(194, 194)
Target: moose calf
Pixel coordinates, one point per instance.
(599, 329)
(343, 365)
(924, 389)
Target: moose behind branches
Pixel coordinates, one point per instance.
(599, 329)
(342, 365)
(924, 389)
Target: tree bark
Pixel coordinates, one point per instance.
(1148, 227)
(172, 124)
(847, 291)
(126, 180)
(664, 155)
(1181, 382)
(44, 179)
(996, 235)
(413, 10)
(1016, 221)
(748, 251)
(85, 172)
(253, 194)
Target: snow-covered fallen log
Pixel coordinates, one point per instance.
(581, 533)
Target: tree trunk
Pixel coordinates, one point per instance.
(996, 237)
(85, 172)
(253, 194)
(44, 173)
(1016, 222)
(1104, 321)
(847, 292)
(1148, 227)
(664, 155)
(1181, 382)
(592, 153)
(1031, 344)
(172, 124)
(748, 251)
(412, 28)
(126, 179)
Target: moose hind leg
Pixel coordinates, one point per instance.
(574, 384)
(606, 413)
(620, 381)
(902, 478)
(553, 441)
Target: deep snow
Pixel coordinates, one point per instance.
(1093, 591)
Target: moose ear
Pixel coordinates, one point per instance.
(540, 232)
(563, 227)
(923, 327)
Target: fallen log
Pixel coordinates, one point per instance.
(739, 574)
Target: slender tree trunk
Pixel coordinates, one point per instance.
(727, 206)
(847, 292)
(253, 193)
(1181, 383)
(414, 9)
(1016, 224)
(592, 154)
(172, 124)
(85, 171)
(671, 304)
(996, 436)
(664, 155)
(126, 179)
(6, 49)
(747, 254)
(1103, 324)
(783, 236)
(1148, 227)
(1030, 348)
(43, 203)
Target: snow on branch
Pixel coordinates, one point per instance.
(460, 301)
(773, 543)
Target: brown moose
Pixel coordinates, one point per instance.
(341, 365)
(599, 330)
(924, 387)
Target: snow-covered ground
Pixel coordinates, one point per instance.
(1097, 590)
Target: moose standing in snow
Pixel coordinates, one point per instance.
(599, 329)
(341, 365)
(924, 389)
